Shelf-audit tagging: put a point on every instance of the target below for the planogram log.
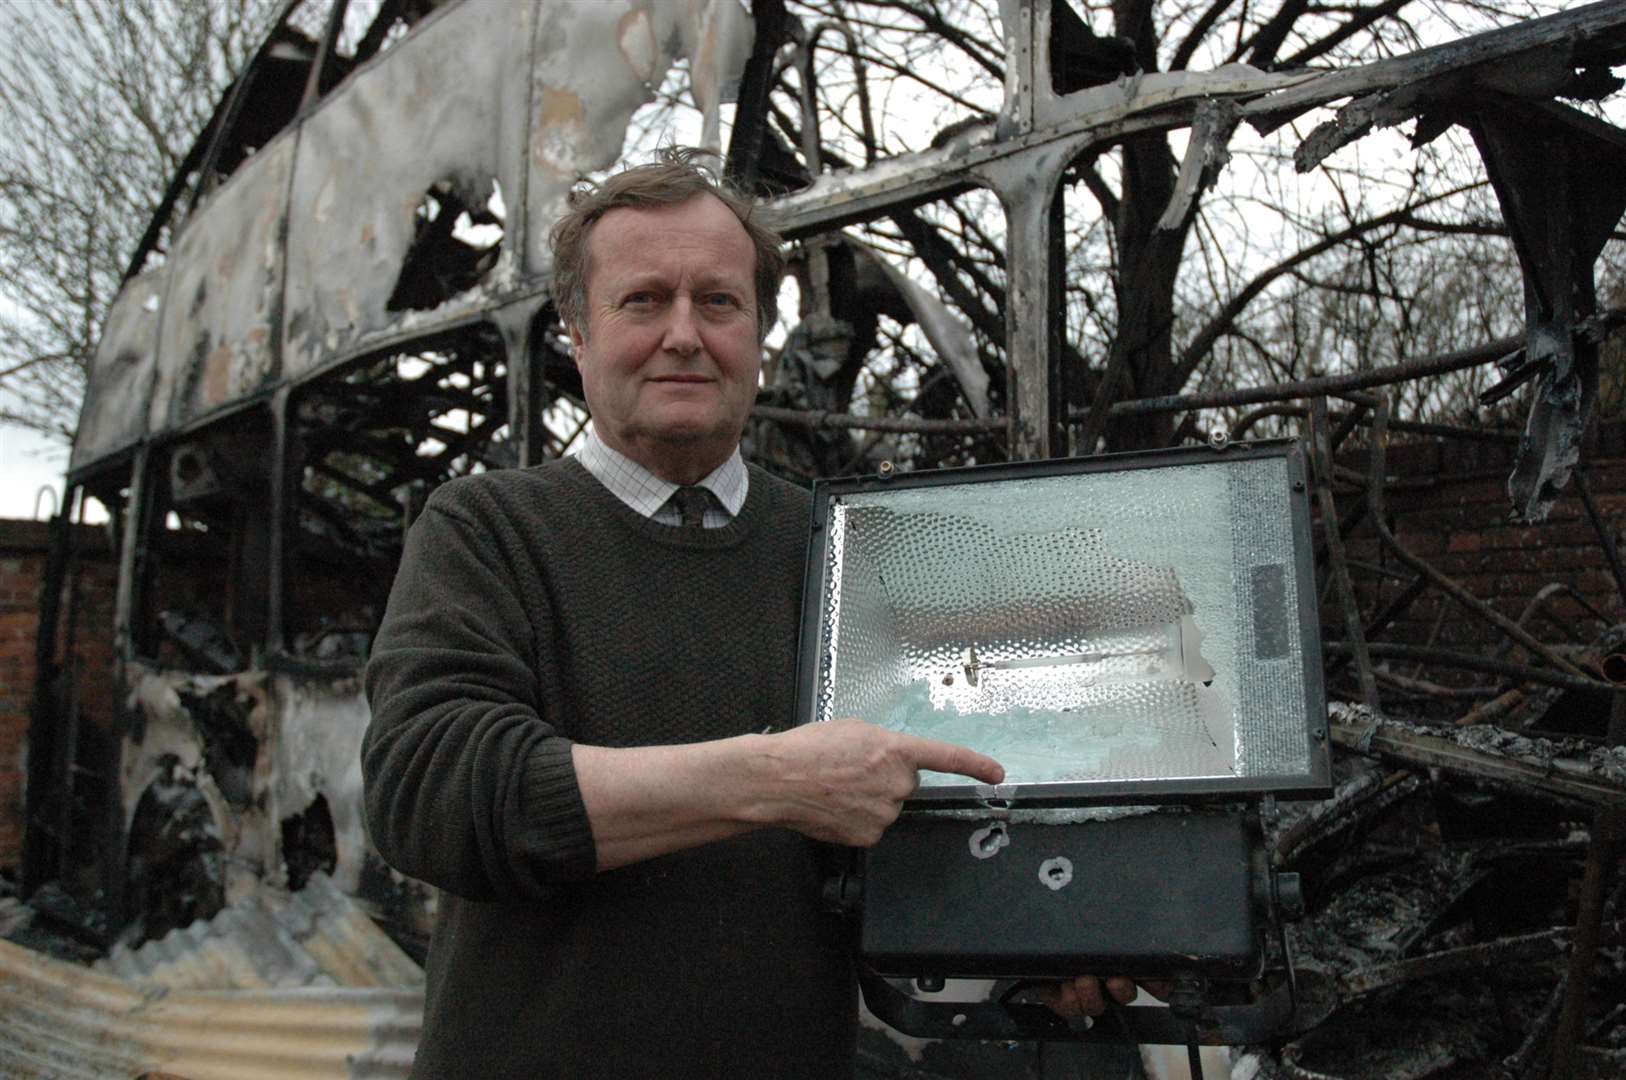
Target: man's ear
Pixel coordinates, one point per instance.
(577, 340)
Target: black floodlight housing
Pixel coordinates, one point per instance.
(1135, 638)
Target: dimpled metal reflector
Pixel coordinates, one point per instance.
(1091, 627)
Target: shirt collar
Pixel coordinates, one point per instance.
(646, 493)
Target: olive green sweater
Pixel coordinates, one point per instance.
(533, 609)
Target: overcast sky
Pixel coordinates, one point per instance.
(29, 462)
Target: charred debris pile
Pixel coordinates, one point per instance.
(1463, 887)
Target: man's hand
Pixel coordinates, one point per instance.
(845, 781)
(1087, 995)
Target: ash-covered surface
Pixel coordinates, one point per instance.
(1441, 911)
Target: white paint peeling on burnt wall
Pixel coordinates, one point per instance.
(317, 752)
(594, 64)
(717, 39)
(171, 735)
(444, 113)
(298, 743)
(225, 277)
(294, 261)
(114, 414)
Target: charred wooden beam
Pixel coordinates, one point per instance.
(1355, 802)
(1589, 774)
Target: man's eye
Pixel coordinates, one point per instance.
(638, 299)
(720, 299)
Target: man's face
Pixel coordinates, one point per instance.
(669, 359)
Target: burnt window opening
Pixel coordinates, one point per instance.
(368, 444)
(886, 318)
(559, 404)
(456, 241)
(308, 843)
(176, 864)
(203, 562)
(268, 96)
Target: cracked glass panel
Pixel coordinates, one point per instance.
(1139, 625)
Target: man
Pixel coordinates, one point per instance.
(582, 698)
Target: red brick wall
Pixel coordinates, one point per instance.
(1448, 504)
(24, 546)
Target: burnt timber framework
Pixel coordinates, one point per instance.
(343, 302)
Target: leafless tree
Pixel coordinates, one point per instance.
(1386, 252)
(99, 105)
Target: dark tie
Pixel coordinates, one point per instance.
(691, 504)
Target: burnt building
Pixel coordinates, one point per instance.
(344, 302)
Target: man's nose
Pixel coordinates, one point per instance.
(682, 332)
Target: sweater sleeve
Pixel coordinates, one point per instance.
(467, 785)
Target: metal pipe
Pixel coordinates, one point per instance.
(1337, 566)
(818, 259)
(324, 53)
(1538, 605)
(1326, 384)
(817, 419)
(866, 121)
(1403, 744)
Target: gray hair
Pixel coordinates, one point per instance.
(677, 175)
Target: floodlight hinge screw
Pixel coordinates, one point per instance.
(1219, 438)
(886, 469)
(929, 984)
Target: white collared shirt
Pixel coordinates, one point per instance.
(651, 496)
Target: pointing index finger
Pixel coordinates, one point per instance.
(953, 758)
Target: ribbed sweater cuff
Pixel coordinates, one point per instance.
(560, 837)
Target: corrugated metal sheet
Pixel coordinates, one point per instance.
(65, 1021)
(316, 937)
(274, 986)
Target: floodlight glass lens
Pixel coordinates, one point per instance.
(1094, 627)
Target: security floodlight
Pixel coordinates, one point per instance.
(1135, 638)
